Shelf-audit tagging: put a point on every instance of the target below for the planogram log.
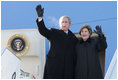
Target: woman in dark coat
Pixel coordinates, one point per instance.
(88, 64)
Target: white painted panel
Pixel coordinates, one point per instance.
(112, 69)
(9, 64)
(36, 41)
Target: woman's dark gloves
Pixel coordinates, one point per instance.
(39, 10)
(99, 31)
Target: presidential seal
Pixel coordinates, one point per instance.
(18, 44)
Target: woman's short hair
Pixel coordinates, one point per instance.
(64, 17)
(87, 27)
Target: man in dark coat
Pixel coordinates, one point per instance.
(61, 57)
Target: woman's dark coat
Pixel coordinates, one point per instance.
(61, 56)
(88, 64)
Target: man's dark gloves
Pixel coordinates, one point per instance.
(99, 31)
(39, 10)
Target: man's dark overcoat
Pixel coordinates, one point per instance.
(60, 59)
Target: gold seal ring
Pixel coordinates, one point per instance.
(18, 44)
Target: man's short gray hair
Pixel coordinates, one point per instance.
(64, 17)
